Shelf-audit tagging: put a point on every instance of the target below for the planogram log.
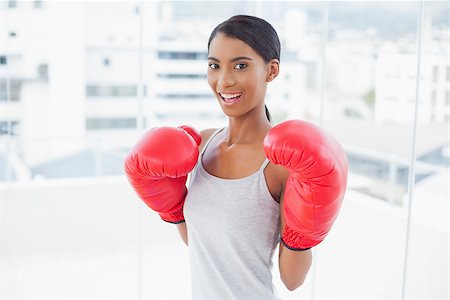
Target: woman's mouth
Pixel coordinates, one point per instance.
(230, 98)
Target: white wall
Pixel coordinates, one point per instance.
(80, 238)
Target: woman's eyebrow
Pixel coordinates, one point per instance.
(231, 60)
(240, 58)
(213, 58)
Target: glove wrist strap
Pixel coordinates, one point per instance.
(293, 240)
(174, 218)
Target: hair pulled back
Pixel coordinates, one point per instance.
(255, 32)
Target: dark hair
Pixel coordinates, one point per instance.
(255, 32)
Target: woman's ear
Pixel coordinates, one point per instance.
(273, 69)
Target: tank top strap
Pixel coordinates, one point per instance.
(210, 139)
(264, 165)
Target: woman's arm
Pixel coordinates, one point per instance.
(293, 265)
(182, 230)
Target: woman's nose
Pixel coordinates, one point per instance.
(226, 80)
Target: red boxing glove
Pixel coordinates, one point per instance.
(316, 184)
(158, 165)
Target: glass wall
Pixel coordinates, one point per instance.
(364, 103)
(428, 229)
(81, 81)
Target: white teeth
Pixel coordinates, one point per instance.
(228, 96)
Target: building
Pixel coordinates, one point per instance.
(396, 92)
(77, 80)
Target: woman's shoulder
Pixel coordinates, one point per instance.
(206, 134)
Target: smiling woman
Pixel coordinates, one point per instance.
(238, 75)
(242, 175)
(252, 47)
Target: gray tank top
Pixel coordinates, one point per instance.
(233, 231)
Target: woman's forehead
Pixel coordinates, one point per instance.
(224, 46)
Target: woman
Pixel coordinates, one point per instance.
(231, 217)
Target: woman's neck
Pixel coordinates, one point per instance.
(247, 130)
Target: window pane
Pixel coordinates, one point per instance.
(430, 201)
(105, 124)
(369, 106)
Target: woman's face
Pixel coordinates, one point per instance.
(237, 75)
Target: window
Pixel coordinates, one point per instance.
(15, 89)
(182, 55)
(9, 127)
(334, 54)
(93, 91)
(433, 98)
(435, 73)
(184, 96)
(110, 123)
(43, 71)
(181, 76)
(106, 62)
(12, 3)
(38, 4)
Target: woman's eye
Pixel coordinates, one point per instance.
(213, 66)
(241, 66)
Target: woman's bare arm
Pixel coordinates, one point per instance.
(293, 265)
(182, 230)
